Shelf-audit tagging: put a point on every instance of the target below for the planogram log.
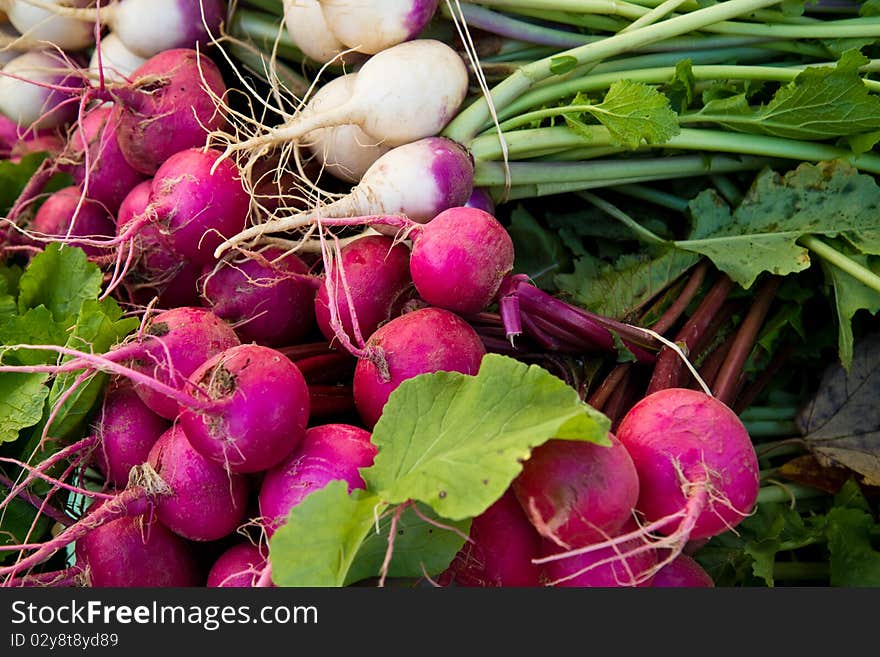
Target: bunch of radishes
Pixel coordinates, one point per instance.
(270, 341)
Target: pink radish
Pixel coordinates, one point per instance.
(682, 572)
(262, 409)
(38, 88)
(66, 212)
(417, 342)
(238, 566)
(328, 452)
(576, 493)
(205, 502)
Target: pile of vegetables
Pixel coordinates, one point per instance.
(439, 293)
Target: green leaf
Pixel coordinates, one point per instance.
(455, 441)
(99, 326)
(829, 198)
(680, 89)
(17, 518)
(850, 296)
(820, 103)
(420, 547)
(853, 559)
(635, 113)
(60, 278)
(14, 176)
(36, 326)
(620, 289)
(22, 395)
(323, 533)
(539, 252)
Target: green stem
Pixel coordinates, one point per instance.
(644, 193)
(662, 74)
(613, 211)
(841, 261)
(266, 31)
(759, 413)
(775, 493)
(469, 121)
(274, 7)
(767, 428)
(611, 172)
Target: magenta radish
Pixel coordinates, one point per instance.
(417, 342)
(682, 572)
(459, 259)
(68, 212)
(367, 280)
(239, 566)
(148, 27)
(171, 346)
(402, 94)
(262, 411)
(100, 168)
(328, 452)
(344, 151)
(38, 90)
(113, 62)
(193, 208)
(137, 551)
(156, 269)
(502, 545)
(696, 462)
(205, 501)
(268, 296)
(373, 26)
(151, 125)
(576, 493)
(632, 563)
(127, 430)
(43, 23)
(418, 180)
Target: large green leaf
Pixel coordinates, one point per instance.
(322, 535)
(455, 441)
(422, 546)
(60, 278)
(761, 234)
(22, 395)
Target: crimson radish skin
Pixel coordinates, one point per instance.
(682, 572)
(151, 125)
(197, 207)
(127, 429)
(137, 551)
(376, 273)
(328, 452)
(695, 460)
(263, 413)
(502, 544)
(191, 335)
(372, 26)
(206, 502)
(109, 176)
(460, 258)
(238, 566)
(66, 211)
(424, 340)
(608, 567)
(267, 296)
(576, 493)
